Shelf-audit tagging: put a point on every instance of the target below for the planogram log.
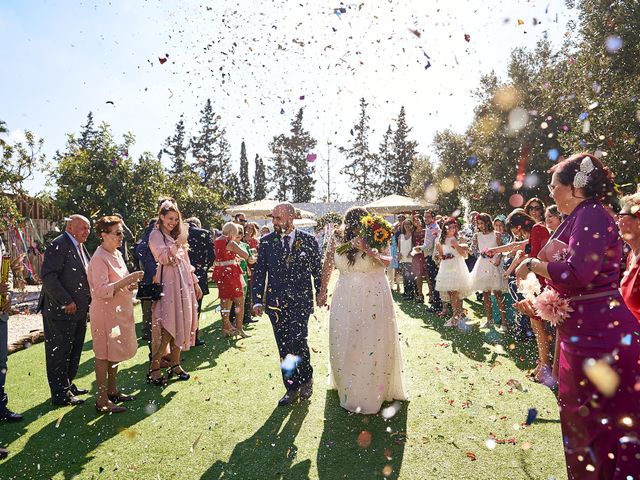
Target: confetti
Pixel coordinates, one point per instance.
(59, 420)
(532, 414)
(467, 37)
(391, 410)
(600, 373)
(195, 443)
(364, 439)
(472, 456)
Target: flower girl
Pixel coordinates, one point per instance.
(453, 279)
(487, 275)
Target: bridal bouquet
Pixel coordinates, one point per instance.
(548, 303)
(374, 230)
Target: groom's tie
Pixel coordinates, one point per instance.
(287, 247)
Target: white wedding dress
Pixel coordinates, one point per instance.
(364, 348)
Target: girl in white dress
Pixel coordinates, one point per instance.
(364, 349)
(487, 275)
(453, 279)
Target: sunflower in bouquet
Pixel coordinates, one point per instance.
(374, 230)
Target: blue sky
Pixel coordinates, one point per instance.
(62, 59)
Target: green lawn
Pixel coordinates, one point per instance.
(224, 422)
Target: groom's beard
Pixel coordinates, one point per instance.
(280, 229)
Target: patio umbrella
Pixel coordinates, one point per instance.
(262, 208)
(394, 204)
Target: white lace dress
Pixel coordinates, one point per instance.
(453, 274)
(364, 348)
(486, 275)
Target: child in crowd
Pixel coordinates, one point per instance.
(487, 275)
(453, 277)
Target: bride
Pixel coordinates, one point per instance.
(364, 349)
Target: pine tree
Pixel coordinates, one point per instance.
(387, 164)
(259, 180)
(363, 169)
(177, 150)
(243, 194)
(88, 134)
(212, 153)
(404, 151)
(278, 172)
(298, 146)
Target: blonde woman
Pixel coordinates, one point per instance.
(228, 274)
(175, 315)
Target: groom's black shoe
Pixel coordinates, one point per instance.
(289, 397)
(306, 390)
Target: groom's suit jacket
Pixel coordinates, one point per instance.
(281, 281)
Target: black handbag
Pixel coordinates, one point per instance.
(151, 291)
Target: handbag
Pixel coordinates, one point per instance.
(151, 291)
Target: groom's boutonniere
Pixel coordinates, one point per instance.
(297, 244)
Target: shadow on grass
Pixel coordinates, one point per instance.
(473, 342)
(270, 452)
(66, 444)
(340, 455)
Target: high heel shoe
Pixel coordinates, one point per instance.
(181, 376)
(156, 381)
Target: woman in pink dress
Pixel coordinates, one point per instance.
(175, 315)
(111, 313)
(599, 348)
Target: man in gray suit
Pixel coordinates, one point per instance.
(64, 303)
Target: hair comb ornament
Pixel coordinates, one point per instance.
(582, 177)
(167, 205)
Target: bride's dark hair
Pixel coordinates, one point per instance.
(350, 229)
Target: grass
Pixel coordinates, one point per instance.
(224, 422)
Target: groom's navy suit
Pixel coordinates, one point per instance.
(282, 285)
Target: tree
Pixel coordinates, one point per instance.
(243, 193)
(259, 180)
(176, 149)
(404, 151)
(422, 179)
(278, 169)
(289, 173)
(19, 161)
(387, 162)
(362, 168)
(212, 153)
(88, 134)
(297, 147)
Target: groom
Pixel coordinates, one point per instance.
(288, 259)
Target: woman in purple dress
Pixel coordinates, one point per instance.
(598, 375)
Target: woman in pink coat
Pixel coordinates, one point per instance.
(175, 316)
(111, 312)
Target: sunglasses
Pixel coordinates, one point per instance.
(118, 233)
(620, 215)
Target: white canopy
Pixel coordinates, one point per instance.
(393, 204)
(262, 208)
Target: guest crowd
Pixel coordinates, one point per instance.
(584, 249)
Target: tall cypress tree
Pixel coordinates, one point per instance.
(243, 194)
(363, 169)
(259, 180)
(176, 148)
